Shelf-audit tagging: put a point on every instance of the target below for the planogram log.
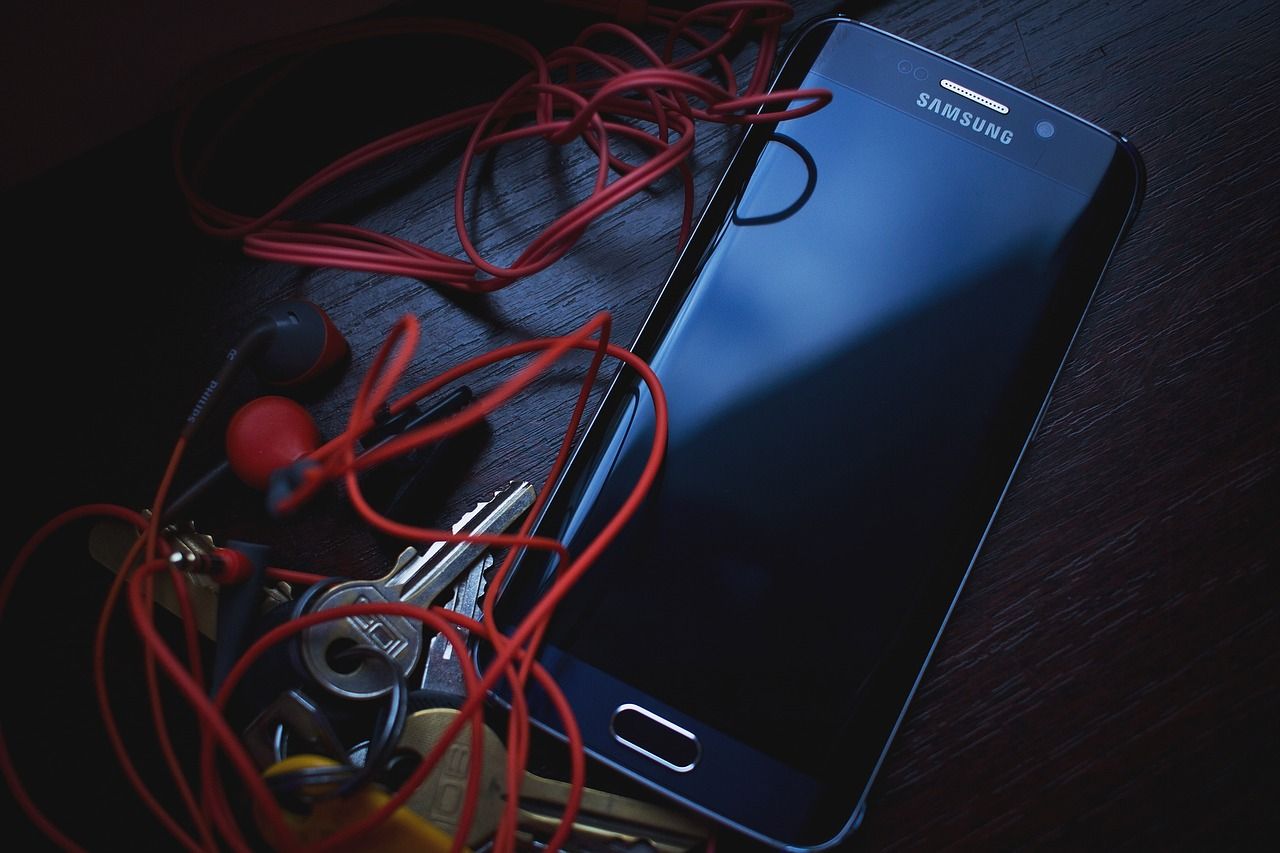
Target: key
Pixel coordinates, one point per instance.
(603, 819)
(110, 541)
(442, 671)
(267, 736)
(416, 579)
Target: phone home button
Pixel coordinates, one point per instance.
(655, 738)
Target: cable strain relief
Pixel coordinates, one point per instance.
(232, 565)
(285, 487)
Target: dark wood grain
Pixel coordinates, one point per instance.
(1109, 678)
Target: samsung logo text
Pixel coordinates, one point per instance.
(977, 124)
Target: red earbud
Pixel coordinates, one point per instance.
(267, 434)
(289, 344)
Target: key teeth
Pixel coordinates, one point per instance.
(486, 573)
(467, 516)
(406, 556)
(424, 579)
(511, 487)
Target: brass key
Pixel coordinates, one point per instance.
(110, 541)
(602, 818)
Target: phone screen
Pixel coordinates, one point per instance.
(853, 367)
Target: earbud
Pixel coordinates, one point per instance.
(300, 343)
(267, 434)
(290, 344)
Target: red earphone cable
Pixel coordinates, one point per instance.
(340, 461)
(656, 95)
(20, 794)
(575, 93)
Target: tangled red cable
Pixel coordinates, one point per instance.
(574, 93)
(514, 654)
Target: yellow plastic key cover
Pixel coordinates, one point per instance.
(404, 830)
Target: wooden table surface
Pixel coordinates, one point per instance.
(1109, 677)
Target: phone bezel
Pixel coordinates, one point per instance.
(673, 294)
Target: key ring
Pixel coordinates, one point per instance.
(289, 787)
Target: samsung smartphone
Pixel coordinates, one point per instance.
(856, 346)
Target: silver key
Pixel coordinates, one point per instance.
(267, 737)
(442, 671)
(416, 579)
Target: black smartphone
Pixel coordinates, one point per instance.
(856, 345)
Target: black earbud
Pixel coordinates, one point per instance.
(298, 342)
(290, 344)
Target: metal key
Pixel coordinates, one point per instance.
(603, 819)
(268, 736)
(111, 540)
(416, 579)
(442, 671)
